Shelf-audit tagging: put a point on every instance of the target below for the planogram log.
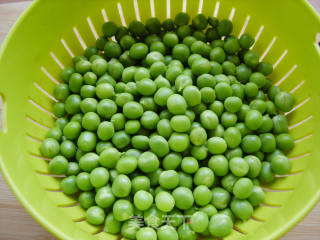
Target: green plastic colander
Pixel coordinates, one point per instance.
(50, 33)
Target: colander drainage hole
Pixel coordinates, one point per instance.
(239, 230)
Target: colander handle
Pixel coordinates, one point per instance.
(2, 114)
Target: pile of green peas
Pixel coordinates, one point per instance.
(169, 120)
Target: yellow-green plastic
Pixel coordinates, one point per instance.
(34, 52)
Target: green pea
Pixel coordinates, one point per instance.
(153, 217)
(284, 101)
(170, 39)
(183, 197)
(69, 185)
(220, 198)
(130, 228)
(251, 144)
(257, 196)
(49, 148)
(268, 142)
(204, 176)
(223, 90)
(220, 225)
(202, 195)
(200, 66)
(146, 233)
(238, 166)
(254, 164)
(112, 225)
(149, 120)
(58, 165)
(159, 145)
(253, 119)
(176, 104)
(225, 27)
(109, 157)
(68, 149)
(284, 141)
(148, 162)
(243, 188)
(280, 165)
(132, 110)
(95, 215)
(266, 174)
(73, 169)
(219, 165)
(216, 145)
(121, 139)
(167, 232)
(106, 108)
(86, 199)
(265, 68)
(241, 209)
(122, 210)
(181, 18)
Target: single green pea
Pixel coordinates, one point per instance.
(142, 200)
(268, 142)
(186, 233)
(284, 101)
(238, 166)
(202, 195)
(219, 165)
(265, 68)
(246, 41)
(220, 198)
(253, 119)
(122, 210)
(216, 145)
(170, 39)
(220, 225)
(149, 120)
(58, 165)
(73, 169)
(266, 174)
(146, 87)
(204, 176)
(121, 186)
(148, 162)
(257, 196)
(120, 139)
(189, 165)
(112, 225)
(254, 164)
(95, 215)
(251, 144)
(181, 19)
(106, 108)
(281, 165)
(132, 110)
(68, 149)
(198, 136)
(167, 232)
(243, 188)
(223, 90)
(86, 199)
(284, 141)
(159, 145)
(200, 66)
(164, 201)
(225, 27)
(232, 136)
(199, 152)
(183, 197)
(69, 185)
(127, 164)
(162, 95)
(49, 148)
(241, 209)
(109, 157)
